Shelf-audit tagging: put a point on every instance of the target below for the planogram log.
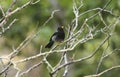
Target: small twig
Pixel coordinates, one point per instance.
(31, 68)
(11, 6)
(48, 64)
(103, 72)
(109, 69)
(9, 26)
(3, 13)
(101, 59)
(52, 15)
(66, 68)
(76, 12)
(6, 68)
(5, 74)
(17, 50)
(35, 2)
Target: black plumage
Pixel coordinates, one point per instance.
(56, 37)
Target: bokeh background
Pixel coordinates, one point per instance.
(31, 20)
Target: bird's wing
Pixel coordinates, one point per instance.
(53, 37)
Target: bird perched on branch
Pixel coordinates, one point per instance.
(56, 37)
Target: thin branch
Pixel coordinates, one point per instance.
(66, 68)
(105, 71)
(101, 59)
(3, 13)
(31, 68)
(6, 68)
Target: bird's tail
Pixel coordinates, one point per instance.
(49, 45)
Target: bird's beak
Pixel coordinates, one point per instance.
(62, 26)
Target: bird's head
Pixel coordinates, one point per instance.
(60, 28)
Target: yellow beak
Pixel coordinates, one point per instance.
(62, 26)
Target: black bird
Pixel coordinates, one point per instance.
(56, 37)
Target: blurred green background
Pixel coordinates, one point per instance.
(32, 18)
